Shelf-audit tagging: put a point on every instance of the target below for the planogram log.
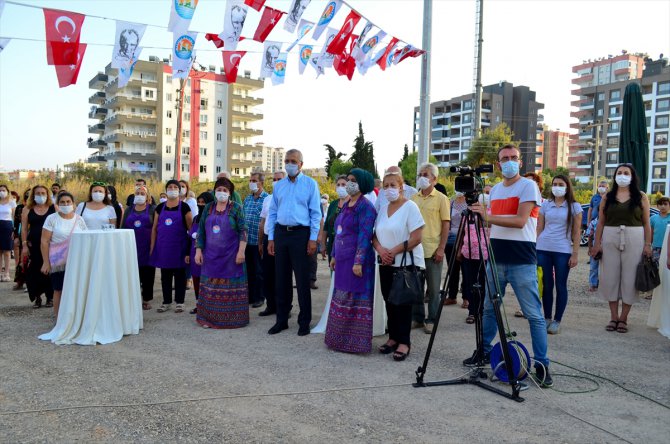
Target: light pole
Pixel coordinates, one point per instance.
(424, 96)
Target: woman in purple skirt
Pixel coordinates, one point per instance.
(349, 327)
(221, 241)
(196, 271)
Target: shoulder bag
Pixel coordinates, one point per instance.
(647, 276)
(406, 288)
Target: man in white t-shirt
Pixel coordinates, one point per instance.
(268, 261)
(514, 209)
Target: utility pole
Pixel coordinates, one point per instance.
(479, 43)
(424, 96)
(180, 109)
(597, 125)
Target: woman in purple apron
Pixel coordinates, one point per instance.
(140, 218)
(222, 239)
(203, 200)
(349, 327)
(169, 246)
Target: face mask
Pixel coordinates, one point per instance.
(510, 169)
(201, 208)
(622, 180)
(66, 209)
(137, 187)
(341, 192)
(98, 196)
(3, 194)
(352, 188)
(140, 199)
(182, 191)
(162, 200)
(602, 190)
(392, 194)
(292, 169)
(458, 194)
(222, 196)
(324, 201)
(172, 194)
(422, 183)
(109, 196)
(558, 191)
(40, 200)
(253, 186)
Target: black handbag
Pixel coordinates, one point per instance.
(647, 277)
(406, 288)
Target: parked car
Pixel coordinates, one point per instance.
(584, 239)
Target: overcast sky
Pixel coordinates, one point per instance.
(531, 42)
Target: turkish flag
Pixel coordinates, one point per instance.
(269, 20)
(214, 38)
(339, 43)
(345, 65)
(256, 4)
(407, 51)
(62, 35)
(352, 42)
(231, 60)
(67, 74)
(383, 59)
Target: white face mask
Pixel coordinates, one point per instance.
(623, 180)
(392, 194)
(341, 192)
(109, 196)
(422, 183)
(352, 188)
(40, 200)
(172, 194)
(140, 199)
(558, 191)
(66, 209)
(182, 191)
(253, 187)
(162, 200)
(222, 196)
(324, 201)
(98, 196)
(458, 194)
(602, 190)
(3, 194)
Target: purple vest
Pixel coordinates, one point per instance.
(221, 245)
(140, 223)
(171, 240)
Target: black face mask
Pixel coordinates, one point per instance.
(201, 208)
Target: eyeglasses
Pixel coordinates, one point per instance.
(275, 180)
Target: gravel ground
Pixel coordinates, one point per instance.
(178, 382)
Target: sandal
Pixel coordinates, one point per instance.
(49, 304)
(387, 348)
(163, 308)
(519, 314)
(612, 325)
(179, 308)
(470, 319)
(194, 311)
(465, 304)
(622, 328)
(400, 356)
(146, 306)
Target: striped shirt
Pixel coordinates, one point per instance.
(515, 245)
(252, 215)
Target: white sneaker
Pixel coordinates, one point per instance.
(554, 327)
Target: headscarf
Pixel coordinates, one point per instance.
(366, 183)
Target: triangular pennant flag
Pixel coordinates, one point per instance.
(269, 20)
(324, 59)
(364, 34)
(279, 72)
(271, 51)
(128, 36)
(233, 22)
(332, 7)
(4, 43)
(183, 54)
(388, 52)
(255, 4)
(371, 59)
(231, 61)
(2, 6)
(62, 35)
(363, 50)
(345, 65)
(407, 51)
(67, 74)
(304, 55)
(294, 14)
(339, 43)
(181, 15)
(303, 28)
(214, 38)
(126, 71)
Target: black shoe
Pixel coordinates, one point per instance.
(543, 377)
(303, 331)
(194, 311)
(257, 304)
(267, 312)
(277, 328)
(477, 360)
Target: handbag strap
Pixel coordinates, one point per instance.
(403, 262)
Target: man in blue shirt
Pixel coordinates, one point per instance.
(659, 223)
(293, 227)
(253, 204)
(595, 201)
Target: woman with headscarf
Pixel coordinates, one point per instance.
(221, 244)
(349, 327)
(196, 269)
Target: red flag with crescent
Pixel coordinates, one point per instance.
(214, 38)
(67, 74)
(339, 43)
(269, 20)
(231, 60)
(62, 35)
(384, 58)
(345, 65)
(256, 4)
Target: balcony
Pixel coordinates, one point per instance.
(96, 159)
(97, 113)
(98, 98)
(582, 79)
(130, 136)
(247, 99)
(587, 105)
(99, 81)
(246, 115)
(246, 131)
(98, 128)
(96, 143)
(118, 118)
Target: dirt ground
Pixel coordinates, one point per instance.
(178, 382)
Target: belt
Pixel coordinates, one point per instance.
(292, 227)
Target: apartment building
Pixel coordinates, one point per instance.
(273, 158)
(138, 131)
(556, 149)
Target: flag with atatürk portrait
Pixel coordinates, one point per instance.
(231, 61)
(332, 7)
(279, 72)
(126, 71)
(304, 55)
(67, 74)
(181, 15)
(269, 20)
(303, 28)
(62, 35)
(126, 43)
(339, 43)
(233, 22)
(183, 54)
(294, 14)
(271, 51)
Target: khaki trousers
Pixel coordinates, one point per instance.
(622, 252)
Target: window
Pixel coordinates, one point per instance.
(203, 118)
(218, 137)
(203, 135)
(658, 172)
(609, 172)
(218, 170)
(219, 120)
(614, 111)
(438, 110)
(168, 149)
(203, 151)
(466, 144)
(185, 150)
(467, 131)
(219, 104)
(237, 171)
(601, 96)
(663, 105)
(188, 98)
(497, 119)
(615, 95)
(168, 79)
(185, 134)
(662, 121)
(150, 164)
(218, 153)
(467, 104)
(661, 139)
(661, 155)
(168, 97)
(663, 88)
(187, 117)
(497, 105)
(149, 93)
(203, 103)
(467, 118)
(658, 188)
(613, 142)
(613, 127)
(168, 114)
(612, 157)
(168, 167)
(168, 131)
(184, 167)
(203, 168)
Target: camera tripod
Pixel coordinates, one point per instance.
(477, 375)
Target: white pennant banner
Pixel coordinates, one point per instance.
(126, 42)
(233, 22)
(279, 72)
(181, 15)
(294, 14)
(183, 54)
(271, 51)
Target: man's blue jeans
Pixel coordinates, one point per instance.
(593, 273)
(523, 279)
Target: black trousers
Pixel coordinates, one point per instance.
(291, 258)
(179, 276)
(454, 277)
(254, 273)
(37, 282)
(147, 277)
(399, 316)
(269, 281)
(313, 266)
(474, 272)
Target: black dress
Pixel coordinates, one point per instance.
(37, 282)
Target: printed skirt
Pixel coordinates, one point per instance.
(223, 303)
(349, 327)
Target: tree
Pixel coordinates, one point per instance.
(339, 167)
(332, 156)
(405, 155)
(484, 149)
(363, 156)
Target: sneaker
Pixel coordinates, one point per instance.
(554, 327)
(543, 377)
(476, 360)
(417, 324)
(428, 328)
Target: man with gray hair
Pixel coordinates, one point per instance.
(436, 214)
(253, 204)
(268, 260)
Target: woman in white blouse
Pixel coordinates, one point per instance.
(7, 207)
(97, 210)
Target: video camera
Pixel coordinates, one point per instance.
(467, 183)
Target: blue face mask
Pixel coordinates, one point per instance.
(291, 169)
(510, 169)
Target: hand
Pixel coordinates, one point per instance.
(187, 260)
(260, 249)
(647, 250)
(574, 259)
(271, 247)
(479, 209)
(332, 264)
(322, 248)
(46, 268)
(387, 257)
(597, 248)
(358, 270)
(198, 256)
(239, 259)
(25, 253)
(439, 255)
(311, 247)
